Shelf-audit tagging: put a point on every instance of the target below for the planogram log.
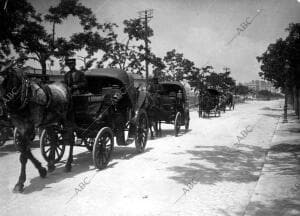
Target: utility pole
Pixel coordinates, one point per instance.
(146, 15)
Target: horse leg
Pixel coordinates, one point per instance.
(159, 125)
(37, 164)
(53, 140)
(151, 129)
(69, 139)
(19, 187)
(156, 128)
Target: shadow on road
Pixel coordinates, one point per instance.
(287, 206)
(171, 132)
(221, 163)
(83, 162)
(284, 159)
(272, 109)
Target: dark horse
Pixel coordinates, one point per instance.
(155, 114)
(31, 105)
(227, 101)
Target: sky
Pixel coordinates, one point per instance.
(205, 31)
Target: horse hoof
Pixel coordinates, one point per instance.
(43, 172)
(19, 188)
(51, 168)
(68, 168)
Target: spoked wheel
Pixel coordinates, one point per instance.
(89, 143)
(142, 127)
(103, 147)
(177, 123)
(51, 144)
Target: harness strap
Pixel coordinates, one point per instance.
(24, 93)
(48, 93)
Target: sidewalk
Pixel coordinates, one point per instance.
(278, 190)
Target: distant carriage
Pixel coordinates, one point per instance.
(209, 103)
(111, 106)
(171, 107)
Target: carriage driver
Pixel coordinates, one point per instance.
(155, 89)
(75, 79)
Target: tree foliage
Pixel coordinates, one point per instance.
(128, 56)
(280, 62)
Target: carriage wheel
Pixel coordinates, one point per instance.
(51, 144)
(3, 136)
(103, 147)
(142, 127)
(89, 143)
(177, 123)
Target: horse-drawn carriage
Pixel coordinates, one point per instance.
(209, 103)
(111, 106)
(169, 105)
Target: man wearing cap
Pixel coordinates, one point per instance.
(75, 79)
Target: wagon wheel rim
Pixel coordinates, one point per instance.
(102, 149)
(177, 123)
(52, 148)
(142, 133)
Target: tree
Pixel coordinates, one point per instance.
(33, 41)
(124, 55)
(273, 63)
(177, 67)
(241, 89)
(18, 20)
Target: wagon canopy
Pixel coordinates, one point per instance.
(174, 86)
(105, 77)
(212, 91)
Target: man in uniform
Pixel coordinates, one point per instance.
(75, 79)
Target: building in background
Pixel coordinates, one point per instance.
(258, 85)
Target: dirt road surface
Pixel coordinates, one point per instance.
(212, 169)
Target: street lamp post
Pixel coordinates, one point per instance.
(286, 68)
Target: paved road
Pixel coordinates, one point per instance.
(213, 169)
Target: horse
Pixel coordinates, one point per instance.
(227, 101)
(32, 105)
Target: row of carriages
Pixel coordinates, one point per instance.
(113, 109)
